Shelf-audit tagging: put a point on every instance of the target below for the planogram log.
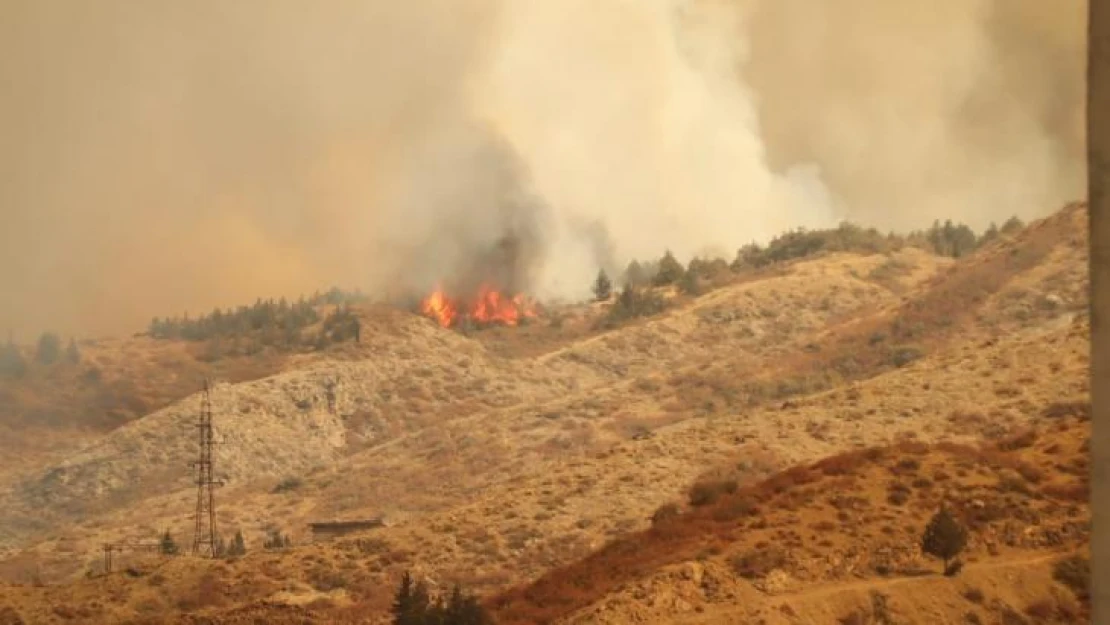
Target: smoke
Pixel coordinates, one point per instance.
(163, 157)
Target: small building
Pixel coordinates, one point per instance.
(327, 530)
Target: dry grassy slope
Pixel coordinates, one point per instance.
(469, 418)
(520, 466)
(830, 537)
(283, 425)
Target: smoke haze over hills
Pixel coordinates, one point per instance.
(163, 157)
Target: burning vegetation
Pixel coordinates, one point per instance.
(488, 306)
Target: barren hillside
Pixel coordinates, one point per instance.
(495, 464)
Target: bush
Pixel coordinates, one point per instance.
(735, 508)
(664, 513)
(974, 595)
(706, 492)
(1075, 573)
(288, 484)
(758, 563)
(1020, 441)
(904, 355)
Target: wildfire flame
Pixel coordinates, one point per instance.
(488, 306)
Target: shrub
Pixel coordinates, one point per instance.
(705, 492)
(1075, 573)
(1042, 610)
(1019, 441)
(904, 355)
(288, 484)
(735, 508)
(664, 513)
(758, 563)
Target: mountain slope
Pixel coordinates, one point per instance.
(493, 470)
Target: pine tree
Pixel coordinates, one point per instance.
(73, 355)
(238, 546)
(944, 537)
(12, 362)
(411, 604)
(990, 234)
(167, 546)
(1012, 225)
(634, 274)
(603, 287)
(670, 270)
(689, 283)
(49, 348)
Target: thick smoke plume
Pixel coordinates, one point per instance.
(162, 157)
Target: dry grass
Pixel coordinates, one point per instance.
(792, 494)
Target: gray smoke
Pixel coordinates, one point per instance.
(161, 157)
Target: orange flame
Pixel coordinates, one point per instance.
(489, 306)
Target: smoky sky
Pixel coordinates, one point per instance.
(164, 157)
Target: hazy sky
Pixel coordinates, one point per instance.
(161, 157)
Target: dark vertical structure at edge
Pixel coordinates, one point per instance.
(204, 532)
(1098, 156)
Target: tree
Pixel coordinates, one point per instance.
(944, 537)
(167, 546)
(603, 287)
(411, 603)
(413, 606)
(635, 274)
(1012, 225)
(990, 234)
(12, 362)
(73, 355)
(49, 348)
(670, 270)
(276, 540)
(689, 283)
(238, 546)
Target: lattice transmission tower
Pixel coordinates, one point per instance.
(204, 532)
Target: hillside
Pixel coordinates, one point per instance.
(499, 457)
